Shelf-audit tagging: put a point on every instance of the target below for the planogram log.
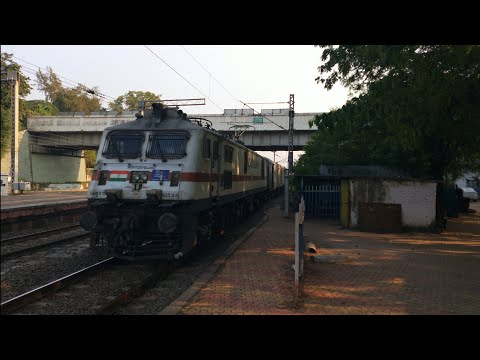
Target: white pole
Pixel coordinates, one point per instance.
(297, 256)
(14, 77)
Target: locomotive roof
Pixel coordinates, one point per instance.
(172, 120)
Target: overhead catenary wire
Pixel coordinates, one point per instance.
(69, 85)
(77, 83)
(258, 113)
(265, 103)
(34, 72)
(72, 82)
(214, 78)
(208, 72)
(39, 67)
(68, 81)
(184, 78)
(30, 71)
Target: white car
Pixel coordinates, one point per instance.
(469, 193)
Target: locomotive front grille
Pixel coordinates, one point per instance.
(147, 240)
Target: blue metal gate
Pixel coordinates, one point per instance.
(322, 200)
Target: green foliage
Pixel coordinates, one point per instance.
(66, 99)
(417, 109)
(37, 108)
(7, 64)
(129, 101)
(41, 108)
(90, 157)
(6, 126)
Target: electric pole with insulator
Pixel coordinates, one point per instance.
(13, 77)
(291, 114)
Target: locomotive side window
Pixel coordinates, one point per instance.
(215, 150)
(206, 148)
(228, 154)
(245, 162)
(263, 168)
(273, 177)
(167, 145)
(123, 145)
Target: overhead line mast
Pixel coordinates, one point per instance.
(13, 77)
(291, 114)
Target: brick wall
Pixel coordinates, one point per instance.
(416, 198)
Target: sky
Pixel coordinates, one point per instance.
(249, 73)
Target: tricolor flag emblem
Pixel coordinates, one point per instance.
(118, 176)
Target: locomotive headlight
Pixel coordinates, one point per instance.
(167, 222)
(139, 177)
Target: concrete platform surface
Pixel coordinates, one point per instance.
(31, 199)
(407, 273)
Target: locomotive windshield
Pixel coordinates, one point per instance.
(167, 145)
(123, 145)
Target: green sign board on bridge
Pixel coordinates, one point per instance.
(258, 120)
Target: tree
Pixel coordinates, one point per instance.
(129, 101)
(7, 64)
(67, 99)
(417, 109)
(37, 108)
(90, 157)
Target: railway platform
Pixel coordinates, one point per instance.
(406, 273)
(40, 208)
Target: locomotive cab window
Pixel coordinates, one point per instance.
(167, 145)
(123, 145)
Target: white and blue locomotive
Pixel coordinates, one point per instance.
(164, 183)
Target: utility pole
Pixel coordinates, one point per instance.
(13, 77)
(291, 114)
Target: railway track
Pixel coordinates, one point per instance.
(127, 295)
(5, 255)
(25, 237)
(105, 289)
(31, 296)
(120, 294)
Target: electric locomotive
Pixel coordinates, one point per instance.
(165, 183)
